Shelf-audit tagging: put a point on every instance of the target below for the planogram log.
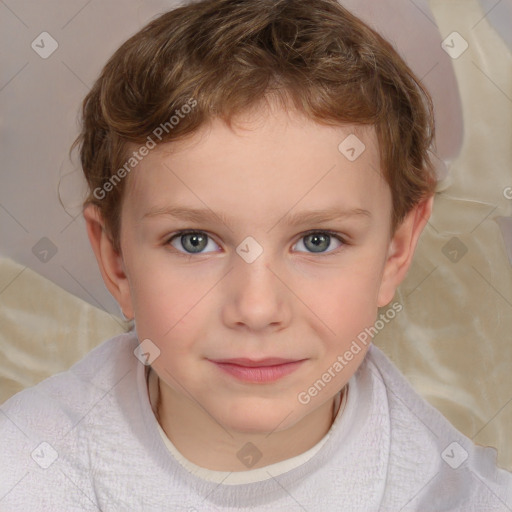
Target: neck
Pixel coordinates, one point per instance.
(208, 444)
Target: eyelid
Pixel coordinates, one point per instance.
(168, 239)
(334, 234)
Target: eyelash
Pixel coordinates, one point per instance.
(302, 235)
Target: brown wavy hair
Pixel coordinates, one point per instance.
(228, 55)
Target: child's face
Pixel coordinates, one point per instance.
(290, 302)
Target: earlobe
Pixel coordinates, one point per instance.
(401, 249)
(109, 260)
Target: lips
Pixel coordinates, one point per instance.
(251, 363)
(257, 371)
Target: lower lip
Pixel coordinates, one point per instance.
(259, 373)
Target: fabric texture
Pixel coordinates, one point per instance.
(87, 439)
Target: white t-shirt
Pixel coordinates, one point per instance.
(87, 439)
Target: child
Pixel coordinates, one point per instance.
(287, 143)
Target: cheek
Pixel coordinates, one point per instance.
(162, 315)
(345, 301)
(163, 312)
(169, 299)
(167, 303)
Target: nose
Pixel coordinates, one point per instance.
(255, 298)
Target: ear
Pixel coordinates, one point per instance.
(109, 260)
(401, 249)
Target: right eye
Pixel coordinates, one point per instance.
(192, 241)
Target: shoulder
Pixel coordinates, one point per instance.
(67, 390)
(441, 468)
(59, 401)
(59, 420)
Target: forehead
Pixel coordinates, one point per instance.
(267, 163)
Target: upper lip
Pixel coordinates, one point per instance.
(269, 361)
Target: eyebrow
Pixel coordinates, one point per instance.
(293, 219)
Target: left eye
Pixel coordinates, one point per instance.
(193, 241)
(319, 241)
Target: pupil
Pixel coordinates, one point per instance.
(195, 240)
(318, 240)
